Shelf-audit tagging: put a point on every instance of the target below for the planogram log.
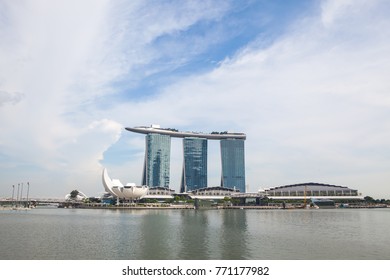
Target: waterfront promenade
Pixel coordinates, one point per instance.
(8, 204)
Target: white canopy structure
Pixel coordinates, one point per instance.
(116, 188)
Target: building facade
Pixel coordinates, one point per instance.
(157, 160)
(233, 164)
(194, 175)
(311, 190)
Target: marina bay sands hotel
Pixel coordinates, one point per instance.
(156, 172)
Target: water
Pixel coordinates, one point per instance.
(336, 234)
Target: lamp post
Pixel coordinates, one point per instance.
(28, 190)
(17, 196)
(21, 195)
(13, 191)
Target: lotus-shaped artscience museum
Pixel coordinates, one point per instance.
(116, 188)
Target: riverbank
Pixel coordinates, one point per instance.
(192, 207)
(130, 206)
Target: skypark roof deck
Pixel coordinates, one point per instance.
(181, 134)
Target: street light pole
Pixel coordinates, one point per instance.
(28, 190)
(21, 195)
(13, 191)
(17, 196)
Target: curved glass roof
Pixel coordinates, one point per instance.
(310, 187)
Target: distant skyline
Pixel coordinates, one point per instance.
(306, 81)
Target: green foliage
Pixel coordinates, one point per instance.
(217, 132)
(150, 200)
(74, 193)
(235, 201)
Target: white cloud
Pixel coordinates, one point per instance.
(10, 97)
(61, 56)
(314, 104)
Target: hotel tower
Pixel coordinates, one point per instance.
(156, 171)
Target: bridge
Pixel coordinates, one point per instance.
(31, 201)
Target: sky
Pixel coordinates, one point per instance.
(307, 81)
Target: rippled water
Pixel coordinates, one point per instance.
(189, 234)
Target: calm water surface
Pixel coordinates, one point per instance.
(189, 234)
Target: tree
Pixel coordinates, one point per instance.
(73, 194)
(368, 199)
(227, 201)
(235, 201)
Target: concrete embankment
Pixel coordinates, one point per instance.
(135, 207)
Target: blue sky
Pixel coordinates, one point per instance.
(307, 81)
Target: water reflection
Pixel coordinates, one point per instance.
(233, 237)
(193, 239)
(156, 235)
(200, 234)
